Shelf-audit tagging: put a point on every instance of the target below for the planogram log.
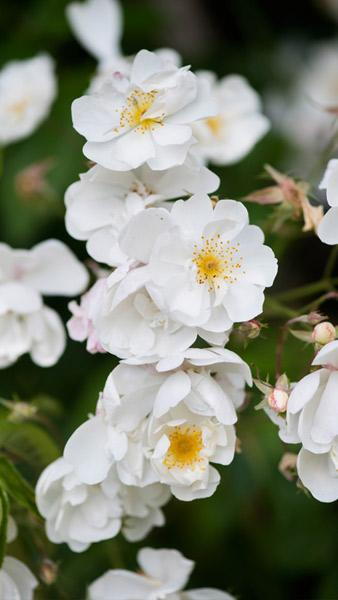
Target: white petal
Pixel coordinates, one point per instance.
(174, 389)
(328, 227)
(55, 270)
(315, 474)
(98, 26)
(86, 451)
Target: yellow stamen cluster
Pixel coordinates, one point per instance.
(216, 260)
(18, 108)
(215, 125)
(132, 115)
(185, 446)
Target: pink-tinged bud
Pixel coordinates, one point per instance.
(324, 333)
(48, 571)
(278, 400)
(288, 466)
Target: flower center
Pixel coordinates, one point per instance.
(185, 447)
(137, 104)
(215, 125)
(216, 260)
(18, 108)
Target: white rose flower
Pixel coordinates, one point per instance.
(101, 204)
(81, 514)
(145, 117)
(26, 325)
(328, 226)
(163, 575)
(134, 416)
(313, 402)
(27, 90)
(206, 266)
(238, 124)
(16, 580)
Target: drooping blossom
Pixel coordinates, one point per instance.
(80, 514)
(26, 324)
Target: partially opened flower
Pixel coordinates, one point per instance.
(313, 401)
(80, 514)
(27, 90)
(206, 266)
(16, 580)
(328, 227)
(145, 117)
(101, 204)
(26, 325)
(228, 136)
(163, 575)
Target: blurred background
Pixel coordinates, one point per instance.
(259, 536)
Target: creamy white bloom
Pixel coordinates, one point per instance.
(307, 114)
(81, 514)
(26, 325)
(328, 227)
(27, 90)
(313, 401)
(135, 419)
(163, 575)
(145, 117)
(17, 582)
(238, 124)
(101, 204)
(206, 266)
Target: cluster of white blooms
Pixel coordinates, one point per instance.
(26, 324)
(224, 137)
(27, 90)
(164, 573)
(311, 419)
(174, 270)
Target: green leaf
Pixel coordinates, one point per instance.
(4, 508)
(12, 482)
(28, 442)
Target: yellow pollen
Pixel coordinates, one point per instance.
(18, 108)
(185, 447)
(132, 115)
(216, 260)
(215, 125)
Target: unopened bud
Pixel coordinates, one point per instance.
(278, 400)
(324, 333)
(288, 466)
(48, 571)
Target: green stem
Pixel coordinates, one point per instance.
(306, 290)
(274, 308)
